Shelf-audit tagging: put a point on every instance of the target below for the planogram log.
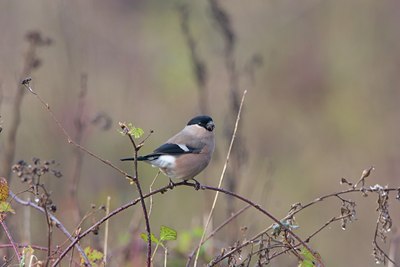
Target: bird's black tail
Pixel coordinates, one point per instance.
(140, 158)
(127, 159)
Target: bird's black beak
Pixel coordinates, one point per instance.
(210, 126)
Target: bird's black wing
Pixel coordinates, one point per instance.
(167, 149)
(175, 149)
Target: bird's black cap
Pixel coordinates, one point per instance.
(203, 121)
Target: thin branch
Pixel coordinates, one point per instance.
(49, 232)
(106, 231)
(25, 245)
(336, 194)
(141, 143)
(220, 181)
(65, 133)
(3, 224)
(333, 219)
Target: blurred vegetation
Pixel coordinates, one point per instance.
(322, 104)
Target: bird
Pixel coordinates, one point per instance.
(185, 154)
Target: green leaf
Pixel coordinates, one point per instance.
(131, 130)
(153, 238)
(6, 207)
(167, 233)
(93, 255)
(306, 263)
(135, 132)
(308, 258)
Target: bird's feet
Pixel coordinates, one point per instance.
(197, 185)
(171, 184)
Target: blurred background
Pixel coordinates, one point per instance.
(322, 104)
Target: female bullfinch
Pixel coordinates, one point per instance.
(187, 153)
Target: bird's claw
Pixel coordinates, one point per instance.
(197, 185)
(171, 184)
